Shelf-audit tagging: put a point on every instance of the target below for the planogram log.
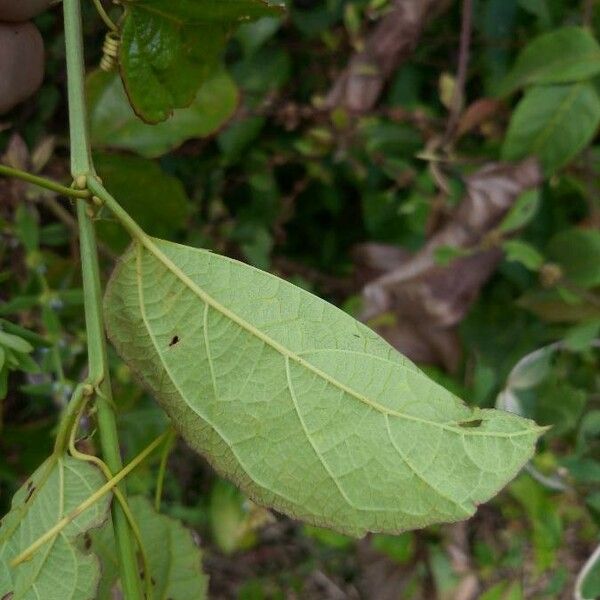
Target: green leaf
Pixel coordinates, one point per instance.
(577, 251)
(114, 124)
(444, 255)
(169, 48)
(175, 560)
(521, 212)
(524, 253)
(155, 199)
(553, 123)
(580, 337)
(561, 56)
(560, 404)
(60, 568)
(14, 342)
(306, 409)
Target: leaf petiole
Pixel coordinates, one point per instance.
(43, 182)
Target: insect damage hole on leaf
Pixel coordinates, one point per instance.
(174, 340)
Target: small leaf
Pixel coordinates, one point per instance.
(524, 253)
(14, 342)
(561, 56)
(521, 212)
(581, 336)
(175, 560)
(60, 568)
(114, 124)
(169, 48)
(577, 251)
(156, 200)
(306, 409)
(553, 123)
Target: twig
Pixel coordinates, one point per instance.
(461, 73)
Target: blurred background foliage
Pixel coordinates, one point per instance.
(274, 165)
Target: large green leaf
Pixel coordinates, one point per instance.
(169, 48)
(155, 199)
(60, 568)
(306, 409)
(174, 559)
(114, 124)
(553, 123)
(560, 56)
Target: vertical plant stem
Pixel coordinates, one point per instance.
(81, 169)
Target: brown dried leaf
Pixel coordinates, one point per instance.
(389, 44)
(430, 299)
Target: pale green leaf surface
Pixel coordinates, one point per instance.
(175, 560)
(560, 56)
(114, 124)
(60, 569)
(306, 409)
(553, 123)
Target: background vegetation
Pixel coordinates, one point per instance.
(450, 197)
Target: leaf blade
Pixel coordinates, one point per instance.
(553, 123)
(291, 398)
(59, 569)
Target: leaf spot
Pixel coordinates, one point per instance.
(174, 340)
(473, 423)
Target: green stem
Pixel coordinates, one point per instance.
(43, 182)
(81, 169)
(70, 416)
(162, 469)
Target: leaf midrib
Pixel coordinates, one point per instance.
(567, 103)
(343, 493)
(149, 244)
(543, 70)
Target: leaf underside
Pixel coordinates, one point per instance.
(60, 569)
(306, 409)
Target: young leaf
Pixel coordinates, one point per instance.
(553, 123)
(524, 253)
(175, 560)
(560, 56)
(521, 212)
(59, 569)
(169, 48)
(114, 124)
(306, 409)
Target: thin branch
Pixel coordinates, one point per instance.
(43, 182)
(458, 96)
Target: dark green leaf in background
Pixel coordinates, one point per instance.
(577, 251)
(155, 199)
